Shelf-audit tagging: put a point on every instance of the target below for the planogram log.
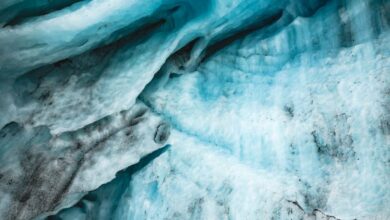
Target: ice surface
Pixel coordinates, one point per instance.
(43, 173)
(108, 79)
(276, 109)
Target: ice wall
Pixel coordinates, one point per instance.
(276, 109)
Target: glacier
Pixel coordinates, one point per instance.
(181, 109)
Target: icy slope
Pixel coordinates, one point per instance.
(277, 109)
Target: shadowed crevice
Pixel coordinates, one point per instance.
(34, 8)
(212, 49)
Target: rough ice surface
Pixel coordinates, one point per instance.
(209, 109)
(44, 173)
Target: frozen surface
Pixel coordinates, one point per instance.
(41, 173)
(276, 109)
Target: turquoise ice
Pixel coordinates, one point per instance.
(219, 109)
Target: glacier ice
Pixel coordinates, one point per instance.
(219, 109)
(43, 173)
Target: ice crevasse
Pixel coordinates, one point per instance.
(184, 109)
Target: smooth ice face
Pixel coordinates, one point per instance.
(221, 109)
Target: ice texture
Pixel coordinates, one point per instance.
(181, 109)
(42, 173)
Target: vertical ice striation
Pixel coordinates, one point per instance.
(219, 109)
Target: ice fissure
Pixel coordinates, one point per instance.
(180, 109)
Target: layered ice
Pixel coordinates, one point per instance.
(174, 109)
